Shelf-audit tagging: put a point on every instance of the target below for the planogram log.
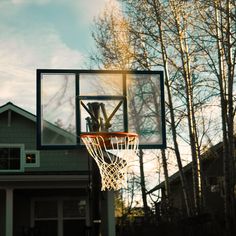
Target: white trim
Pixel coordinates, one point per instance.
(10, 106)
(22, 151)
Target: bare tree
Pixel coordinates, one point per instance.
(157, 9)
(221, 20)
(163, 33)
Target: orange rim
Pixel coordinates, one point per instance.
(109, 135)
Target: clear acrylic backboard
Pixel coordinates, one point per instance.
(122, 101)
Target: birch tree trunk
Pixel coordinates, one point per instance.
(157, 5)
(181, 24)
(222, 32)
(143, 185)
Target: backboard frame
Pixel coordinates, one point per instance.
(79, 98)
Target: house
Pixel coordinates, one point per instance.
(213, 195)
(44, 192)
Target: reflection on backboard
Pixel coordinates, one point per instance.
(72, 102)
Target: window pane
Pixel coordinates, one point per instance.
(14, 158)
(74, 208)
(46, 228)
(45, 209)
(9, 158)
(74, 228)
(3, 158)
(30, 158)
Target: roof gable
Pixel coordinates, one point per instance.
(210, 155)
(18, 110)
(57, 130)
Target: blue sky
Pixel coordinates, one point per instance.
(42, 34)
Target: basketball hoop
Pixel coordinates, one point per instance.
(113, 153)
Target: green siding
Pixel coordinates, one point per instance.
(63, 160)
(21, 130)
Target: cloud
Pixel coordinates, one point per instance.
(86, 9)
(39, 2)
(31, 39)
(20, 56)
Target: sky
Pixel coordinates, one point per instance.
(42, 34)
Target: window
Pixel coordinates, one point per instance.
(11, 157)
(59, 216)
(74, 213)
(32, 158)
(74, 208)
(45, 217)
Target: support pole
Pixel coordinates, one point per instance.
(94, 111)
(108, 214)
(103, 222)
(96, 200)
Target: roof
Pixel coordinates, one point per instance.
(172, 178)
(210, 154)
(30, 116)
(13, 107)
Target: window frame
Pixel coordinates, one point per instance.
(60, 215)
(22, 151)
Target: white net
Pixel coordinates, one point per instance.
(114, 155)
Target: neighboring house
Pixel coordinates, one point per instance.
(212, 174)
(42, 192)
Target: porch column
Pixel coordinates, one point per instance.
(9, 212)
